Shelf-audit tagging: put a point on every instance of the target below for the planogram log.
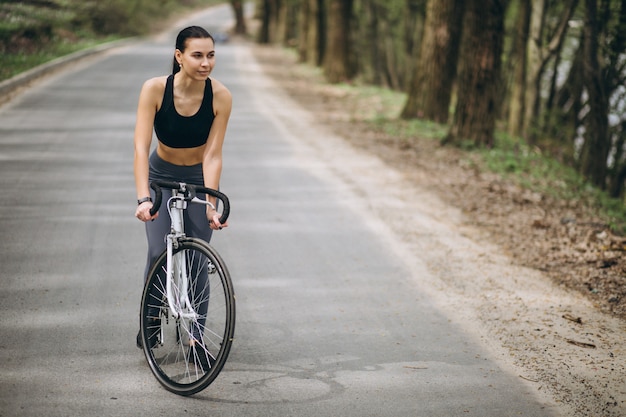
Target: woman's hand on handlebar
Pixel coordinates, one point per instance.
(143, 212)
(214, 219)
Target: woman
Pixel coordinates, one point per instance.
(189, 112)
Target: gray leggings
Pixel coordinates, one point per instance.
(196, 223)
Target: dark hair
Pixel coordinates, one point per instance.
(195, 32)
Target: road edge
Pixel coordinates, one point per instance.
(11, 87)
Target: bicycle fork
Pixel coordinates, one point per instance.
(177, 273)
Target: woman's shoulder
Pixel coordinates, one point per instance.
(155, 83)
(152, 91)
(218, 87)
(220, 91)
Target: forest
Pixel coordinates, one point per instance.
(549, 72)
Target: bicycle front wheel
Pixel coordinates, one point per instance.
(186, 352)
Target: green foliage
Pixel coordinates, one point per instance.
(35, 31)
(22, 24)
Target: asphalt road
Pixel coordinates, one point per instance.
(331, 322)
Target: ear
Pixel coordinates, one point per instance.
(178, 55)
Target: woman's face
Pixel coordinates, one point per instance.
(198, 59)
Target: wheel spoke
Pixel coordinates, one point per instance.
(186, 354)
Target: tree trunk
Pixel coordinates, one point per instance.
(431, 89)
(337, 57)
(270, 12)
(240, 19)
(280, 22)
(414, 32)
(564, 117)
(618, 174)
(265, 16)
(539, 53)
(285, 27)
(479, 73)
(414, 27)
(390, 52)
(596, 146)
(305, 31)
(370, 59)
(310, 45)
(536, 64)
(518, 67)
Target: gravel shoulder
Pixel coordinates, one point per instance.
(540, 282)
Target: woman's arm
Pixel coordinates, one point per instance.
(146, 110)
(212, 158)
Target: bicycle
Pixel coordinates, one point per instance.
(187, 314)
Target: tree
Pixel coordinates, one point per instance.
(386, 35)
(617, 79)
(596, 146)
(564, 110)
(415, 19)
(310, 37)
(276, 25)
(479, 73)
(337, 57)
(618, 170)
(540, 51)
(517, 68)
(431, 89)
(240, 19)
(266, 15)
(604, 47)
(370, 59)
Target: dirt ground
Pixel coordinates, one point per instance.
(549, 298)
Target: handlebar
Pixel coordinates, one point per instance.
(189, 191)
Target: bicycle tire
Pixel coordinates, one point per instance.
(167, 341)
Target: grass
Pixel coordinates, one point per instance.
(14, 64)
(528, 166)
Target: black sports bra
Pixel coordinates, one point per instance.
(178, 131)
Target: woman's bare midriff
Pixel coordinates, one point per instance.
(182, 156)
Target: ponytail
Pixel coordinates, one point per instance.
(175, 66)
